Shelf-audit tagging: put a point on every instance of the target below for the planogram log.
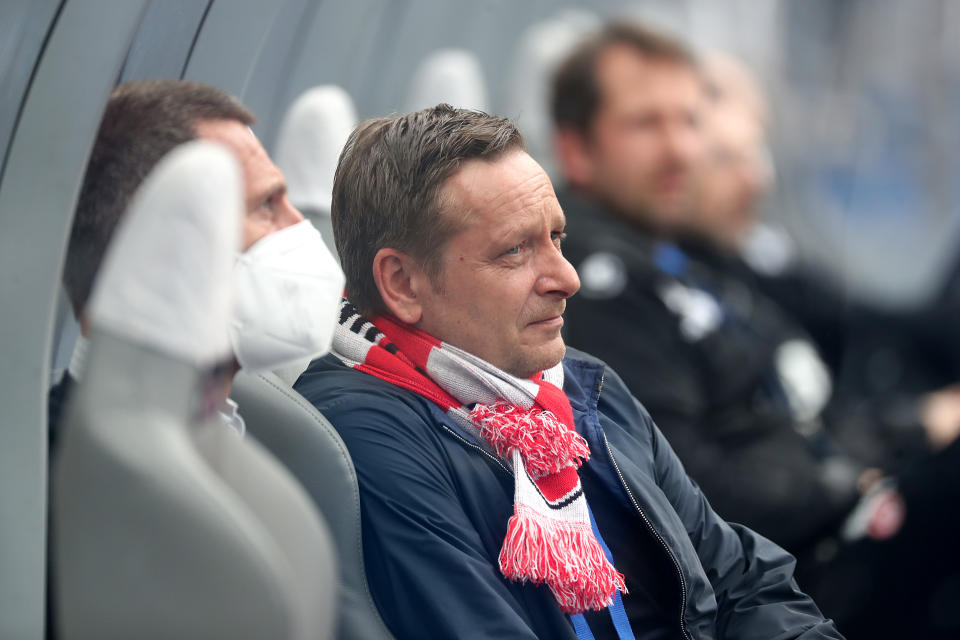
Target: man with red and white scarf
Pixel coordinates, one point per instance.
(510, 488)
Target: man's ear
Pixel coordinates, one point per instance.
(399, 278)
(574, 156)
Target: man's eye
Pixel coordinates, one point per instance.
(558, 237)
(266, 210)
(512, 251)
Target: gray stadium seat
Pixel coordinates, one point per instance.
(539, 50)
(165, 522)
(300, 437)
(453, 76)
(308, 147)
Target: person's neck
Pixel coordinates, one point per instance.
(703, 243)
(228, 379)
(640, 221)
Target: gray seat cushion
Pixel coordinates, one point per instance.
(167, 527)
(302, 439)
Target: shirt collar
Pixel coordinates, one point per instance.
(229, 413)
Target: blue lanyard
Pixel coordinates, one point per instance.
(617, 611)
(670, 258)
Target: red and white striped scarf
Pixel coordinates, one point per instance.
(526, 421)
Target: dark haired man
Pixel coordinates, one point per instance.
(628, 105)
(280, 278)
(510, 488)
(734, 382)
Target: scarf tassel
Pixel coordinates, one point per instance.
(546, 444)
(564, 555)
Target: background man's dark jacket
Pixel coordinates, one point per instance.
(708, 375)
(880, 362)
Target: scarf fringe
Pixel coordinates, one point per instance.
(546, 444)
(564, 555)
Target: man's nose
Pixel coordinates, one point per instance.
(289, 215)
(682, 143)
(560, 278)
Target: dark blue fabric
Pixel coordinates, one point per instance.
(435, 505)
(651, 608)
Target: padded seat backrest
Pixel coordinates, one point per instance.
(166, 523)
(300, 437)
(162, 528)
(453, 76)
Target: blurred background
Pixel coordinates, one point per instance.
(864, 137)
(863, 95)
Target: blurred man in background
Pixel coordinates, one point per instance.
(896, 429)
(725, 232)
(629, 108)
(738, 170)
(650, 151)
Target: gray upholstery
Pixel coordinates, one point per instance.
(300, 437)
(169, 527)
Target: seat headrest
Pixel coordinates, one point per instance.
(309, 143)
(165, 278)
(453, 76)
(541, 48)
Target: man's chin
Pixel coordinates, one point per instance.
(543, 358)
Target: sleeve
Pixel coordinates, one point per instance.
(429, 571)
(762, 473)
(757, 597)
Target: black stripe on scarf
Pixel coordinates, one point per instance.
(358, 324)
(557, 506)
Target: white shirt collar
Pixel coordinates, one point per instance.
(229, 414)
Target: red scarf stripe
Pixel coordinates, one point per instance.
(551, 398)
(559, 485)
(415, 344)
(382, 364)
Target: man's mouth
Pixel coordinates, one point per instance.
(673, 181)
(549, 322)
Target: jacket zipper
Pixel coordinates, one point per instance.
(478, 448)
(656, 534)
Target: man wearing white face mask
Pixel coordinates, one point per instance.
(287, 283)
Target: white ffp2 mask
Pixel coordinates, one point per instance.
(287, 287)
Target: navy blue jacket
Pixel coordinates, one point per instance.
(435, 504)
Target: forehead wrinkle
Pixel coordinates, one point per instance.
(509, 196)
(463, 195)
